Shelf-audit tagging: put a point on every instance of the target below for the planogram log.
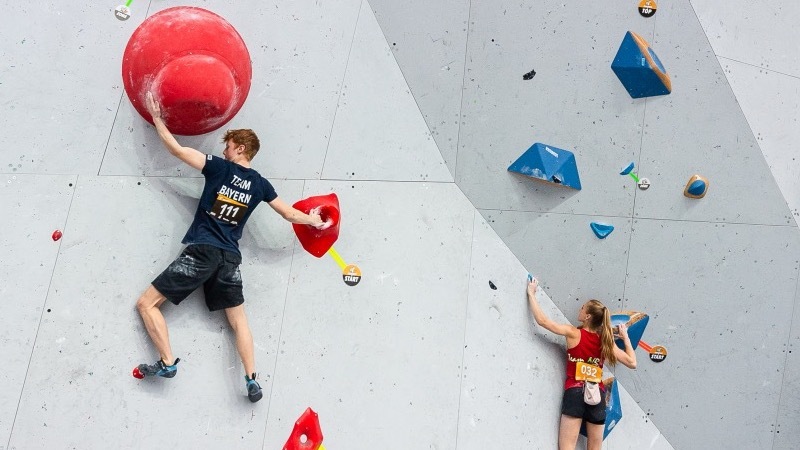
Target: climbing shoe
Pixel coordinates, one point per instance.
(158, 369)
(253, 388)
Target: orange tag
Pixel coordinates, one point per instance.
(657, 353)
(647, 8)
(588, 372)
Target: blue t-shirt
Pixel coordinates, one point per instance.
(230, 195)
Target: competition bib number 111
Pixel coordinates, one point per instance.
(228, 210)
(588, 372)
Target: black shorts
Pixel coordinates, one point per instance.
(574, 406)
(216, 269)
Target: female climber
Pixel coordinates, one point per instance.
(589, 346)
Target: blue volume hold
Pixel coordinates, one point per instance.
(549, 164)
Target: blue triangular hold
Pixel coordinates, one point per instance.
(613, 410)
(601, 230)
(629, 55)
(548, 163)
(635, 330)
(639, 69)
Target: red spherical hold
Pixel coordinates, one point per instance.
(57, 235)
(137, 373)
(196, 64)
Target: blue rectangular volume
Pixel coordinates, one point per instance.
(550, 164)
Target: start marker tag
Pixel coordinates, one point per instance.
(351, 275)
(658, 354)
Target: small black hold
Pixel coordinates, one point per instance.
(529, 75)
(70, 185)
(48, 309)
(491, 285)
(139, 183)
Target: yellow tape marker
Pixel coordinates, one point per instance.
(337, 258)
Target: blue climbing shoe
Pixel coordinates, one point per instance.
(254, 392)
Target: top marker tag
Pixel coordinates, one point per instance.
(122, 12)
(647, 8)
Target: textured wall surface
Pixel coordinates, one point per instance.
(411, 114)
(719, 276)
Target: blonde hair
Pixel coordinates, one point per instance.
(600, 319)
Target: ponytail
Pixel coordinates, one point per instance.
(600, 319)
(607, 339)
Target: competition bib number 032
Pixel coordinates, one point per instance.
(588, 372)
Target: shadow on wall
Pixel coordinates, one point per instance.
(551, 170)
(540, 196)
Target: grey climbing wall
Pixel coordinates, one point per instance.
(38, 206)
(436, 74)
(411, 114)
(718, 276)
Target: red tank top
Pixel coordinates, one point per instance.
(588, 350)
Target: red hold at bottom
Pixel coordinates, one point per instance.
(307, 426)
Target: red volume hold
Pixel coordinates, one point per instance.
(318, 242)
(307, 426)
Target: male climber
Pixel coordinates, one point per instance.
(211, 258)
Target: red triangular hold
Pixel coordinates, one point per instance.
(318, 242)
(307, 425)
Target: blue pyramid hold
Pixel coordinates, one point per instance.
(601, 230)
(550, 164)
(639, 69)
